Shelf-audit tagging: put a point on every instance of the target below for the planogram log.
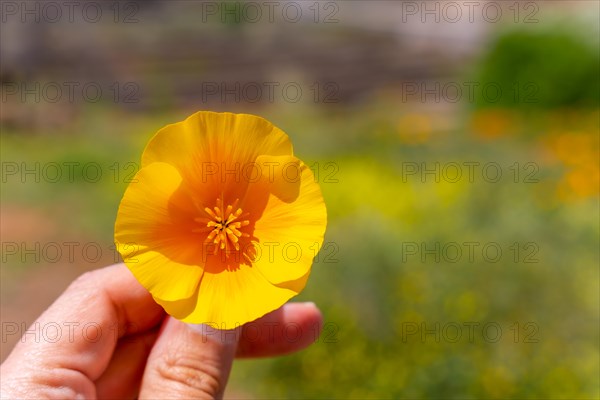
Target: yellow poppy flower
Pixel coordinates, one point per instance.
(222, 222)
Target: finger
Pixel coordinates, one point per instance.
(122, 377)
(285, 330)
(189, 362)
(95, 310)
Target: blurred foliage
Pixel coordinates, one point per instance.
(544, 68)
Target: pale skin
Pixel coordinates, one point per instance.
(121, 344)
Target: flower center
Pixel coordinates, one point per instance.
(224, 225)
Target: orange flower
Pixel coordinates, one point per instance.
(222, 222)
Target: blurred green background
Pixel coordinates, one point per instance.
(388, 94)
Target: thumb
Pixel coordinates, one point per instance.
(189, 361)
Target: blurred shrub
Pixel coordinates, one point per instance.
(539, 69)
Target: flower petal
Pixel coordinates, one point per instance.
(217, 150)
(152, 233)
(228, 299)
(290, 234)
(208, 140)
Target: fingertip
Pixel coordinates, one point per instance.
(307, 315)
(288, 329)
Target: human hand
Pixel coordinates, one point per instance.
(118, 343)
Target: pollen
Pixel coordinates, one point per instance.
(225, 226)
